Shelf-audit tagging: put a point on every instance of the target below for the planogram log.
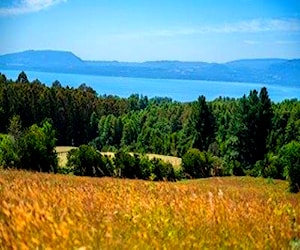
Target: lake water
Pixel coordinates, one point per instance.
(180, 90)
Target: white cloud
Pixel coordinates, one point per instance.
(250, 26)
(27, 6)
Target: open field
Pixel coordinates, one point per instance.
(175, 161)
(39, 211)
(62, 152)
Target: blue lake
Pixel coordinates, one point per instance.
(180, 90)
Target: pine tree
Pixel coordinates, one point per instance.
(22, 78)
(201, 125)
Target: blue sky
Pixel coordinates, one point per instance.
(141, 30)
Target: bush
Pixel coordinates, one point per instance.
(137, 167)
(179, 174)
(87, 161)
(269, 167)
(162, 171)
(233, 167)
(126, 165)
(132, 167)
(65, 170)
(217, 166)
(290, 157)
(197, 164)
(37, 149)
(8, 152)
(145, 168)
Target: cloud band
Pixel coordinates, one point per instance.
(27, 6)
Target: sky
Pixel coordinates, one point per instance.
(146, 30)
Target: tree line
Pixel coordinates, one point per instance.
(249, 135)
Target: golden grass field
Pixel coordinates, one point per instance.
(47, 211)
(62, 152)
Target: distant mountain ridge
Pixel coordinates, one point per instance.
(269, 71)
(45, 58)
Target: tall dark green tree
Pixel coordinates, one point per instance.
(22, 78)
(265, 116)
(201, 125)
(130, 133)
(110, 131)
(253, 126)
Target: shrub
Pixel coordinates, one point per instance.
(37, 149)
(8, 152)
(233, 167)
(290, 157)
(133, 167)
(140, 167)
(179, 174)
(197, 164)
(162, 171)
(217, 166)
(65, 170)
(125, 165)
(269, 167)
(145, 168)
(87, 161)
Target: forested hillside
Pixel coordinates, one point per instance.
(241, 136)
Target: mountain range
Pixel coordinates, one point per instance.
(269, 71)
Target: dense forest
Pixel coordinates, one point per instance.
(250, 135)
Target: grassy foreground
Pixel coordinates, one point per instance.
(39, 211)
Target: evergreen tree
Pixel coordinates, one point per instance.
(253, 124)
(201, 125)
(22, 78)
(265, 116)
